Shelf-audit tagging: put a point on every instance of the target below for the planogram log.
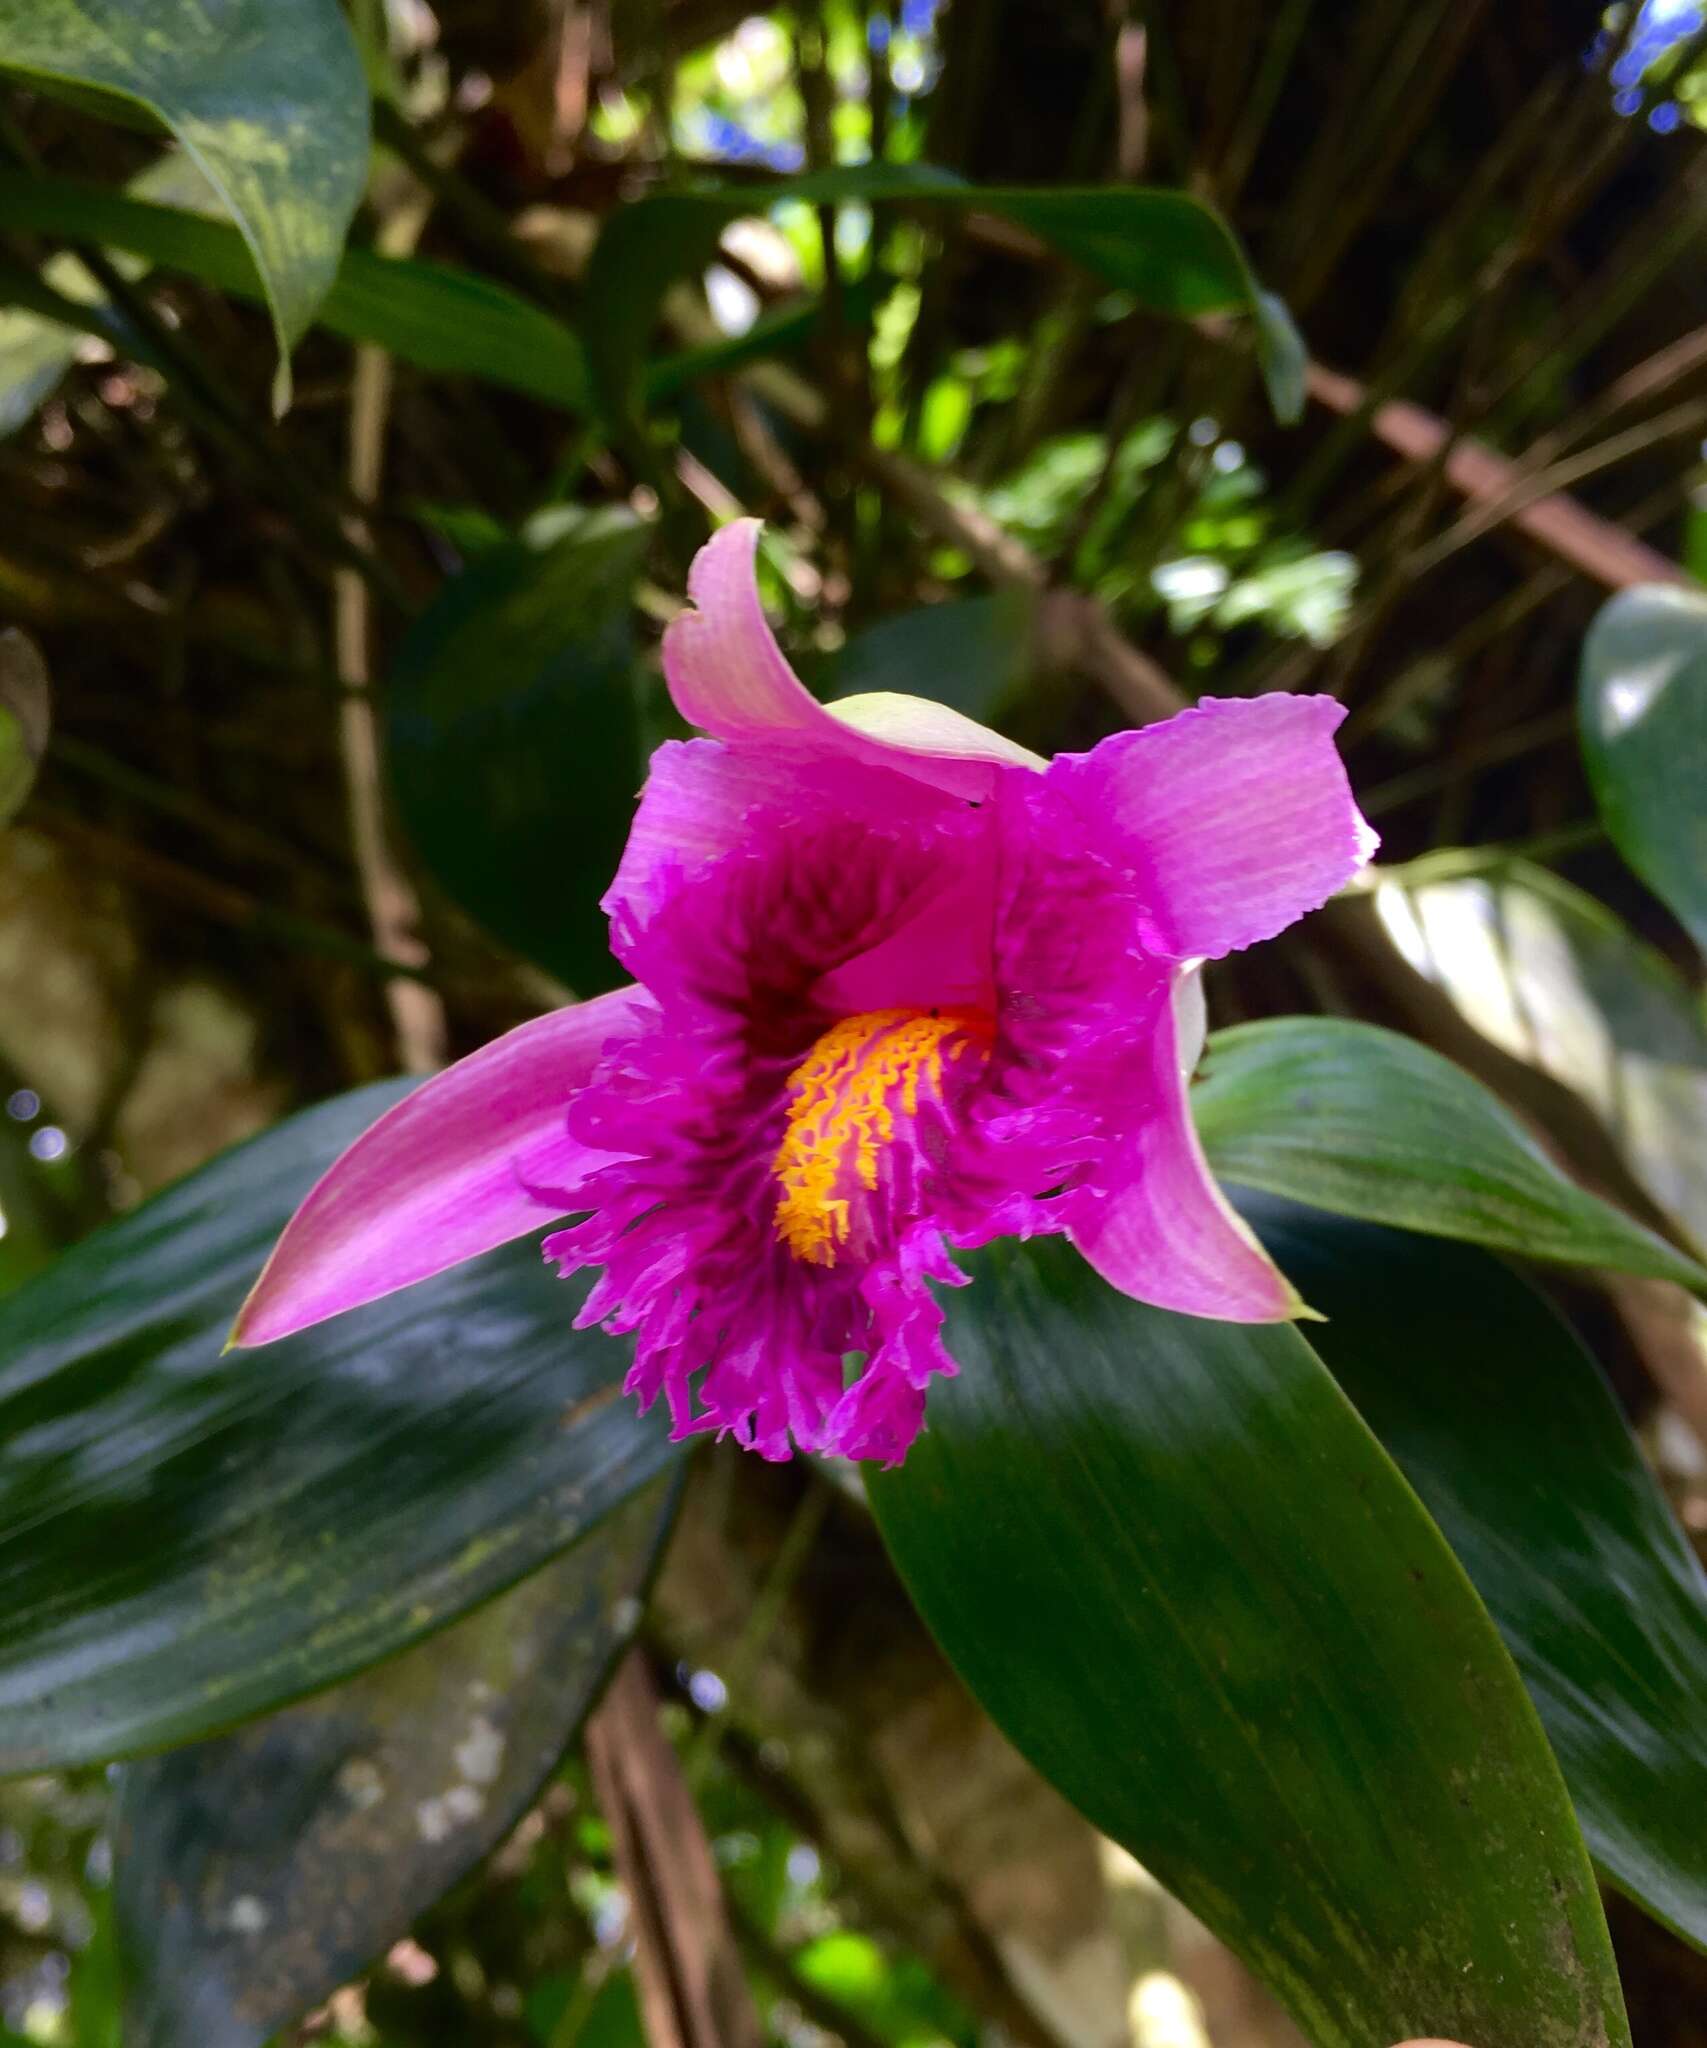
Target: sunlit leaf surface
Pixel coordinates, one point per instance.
(268, 98)
(1553, 978)
(1642, 703)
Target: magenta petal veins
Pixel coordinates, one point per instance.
(903, 988)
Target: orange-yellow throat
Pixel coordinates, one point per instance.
(842, 1104)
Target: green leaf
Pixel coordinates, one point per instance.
(1642, 709)
(439, 318)
(1502, 1422)
(188, 1540)
(266, 95)
(256, 1874)
(1170, 250)
(36, 351)
(513, 739)
(1189, 1585)
(1365, 1122)
(972, 653)
(25, 716)
(1551, 977)
(35, 354)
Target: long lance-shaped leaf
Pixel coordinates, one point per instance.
(1189, 1584)
(433, 315)
(1502, 1422)
(1170, 250)
(189, 1539)
(1368, 1123)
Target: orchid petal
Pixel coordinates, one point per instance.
(943, 954)
(1167, 1235)
(920, 725)
(729, 677)
(1236, 814)
(701, 797)
(477, 1155)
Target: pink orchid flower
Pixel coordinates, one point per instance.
(901, 986)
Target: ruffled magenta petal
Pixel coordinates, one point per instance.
(729, 677)
(1160, 1229)
(1236, 817)
(479, 1154)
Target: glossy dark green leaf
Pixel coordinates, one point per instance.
(255, 1874)
(433, 315)
(266, 95)
(1642, 711)
(1502, 1422)
(1553, 978)
(972, 653)
(188, 1540)
(512, 733)
(1171, 251)
(1367, 1123)
(1188, 1583)
(25, 716)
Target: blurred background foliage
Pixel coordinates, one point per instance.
(989, 476)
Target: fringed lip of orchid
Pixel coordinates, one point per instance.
(901, 987)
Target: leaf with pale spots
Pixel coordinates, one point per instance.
(255, 1874)
(266, 95)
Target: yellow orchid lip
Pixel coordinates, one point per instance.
(843, 1100)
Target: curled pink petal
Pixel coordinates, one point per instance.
(474, 1157)
(729, 677)
(1159, 1228)
(1236, 815)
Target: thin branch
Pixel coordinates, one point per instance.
(394, 910)
(1594, 546)
(687, 1968)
